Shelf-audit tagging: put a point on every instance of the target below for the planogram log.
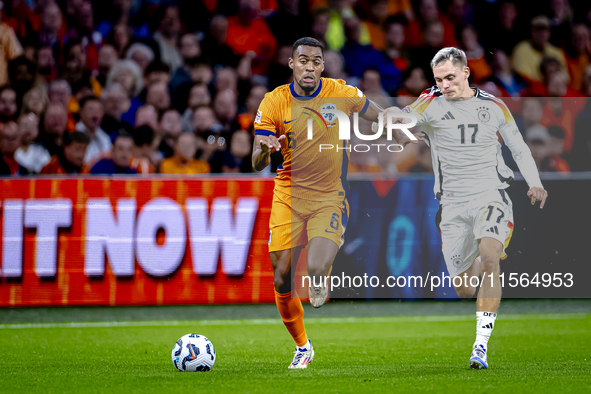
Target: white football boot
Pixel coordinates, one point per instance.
(303, 356)
(317, 295)
(478, 357)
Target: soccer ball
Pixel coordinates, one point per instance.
(193, 353)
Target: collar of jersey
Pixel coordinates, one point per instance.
(305, 98)
(477, 94)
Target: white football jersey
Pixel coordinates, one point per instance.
(465, 148)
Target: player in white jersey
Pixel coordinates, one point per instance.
(475, 218)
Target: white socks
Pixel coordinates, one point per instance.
(485, 322)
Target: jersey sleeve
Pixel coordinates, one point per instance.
(265, 122)
(356, 100)
(519, 149)
(419, 107)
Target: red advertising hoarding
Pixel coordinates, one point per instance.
(134, 241)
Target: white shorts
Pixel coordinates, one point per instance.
(462, 224)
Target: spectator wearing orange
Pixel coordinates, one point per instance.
(10, 50)
(377, 12)
(428, 15)
(75, 59)
(183, 161)
(255, 96)
(479, 68)
(145, 157)
(59, 91)
(578, 55)
(248, 32)
(70, 159)
(559, 111)
(395, 42)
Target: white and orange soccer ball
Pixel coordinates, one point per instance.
(193, 352)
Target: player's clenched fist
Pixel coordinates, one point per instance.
(537, 194)
(394, 111)
(401, 137)
(271, 143)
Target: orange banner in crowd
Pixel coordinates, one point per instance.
(134, 241)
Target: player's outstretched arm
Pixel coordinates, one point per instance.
(262, 148)
(374, 112)
(525, 161)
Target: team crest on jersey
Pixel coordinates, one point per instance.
(456, 260)
(328, 117)
(258, 117)
(483, 114)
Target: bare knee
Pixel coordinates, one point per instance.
(282, 280)
(465, 293)
(490, 263)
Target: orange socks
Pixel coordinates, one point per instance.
(292, 314)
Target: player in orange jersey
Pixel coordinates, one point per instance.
(310, 196)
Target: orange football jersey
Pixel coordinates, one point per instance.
(309, 172)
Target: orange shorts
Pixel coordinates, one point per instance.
(295, 221)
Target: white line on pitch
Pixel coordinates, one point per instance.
(255, 322)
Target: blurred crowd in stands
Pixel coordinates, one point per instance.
(172, 87)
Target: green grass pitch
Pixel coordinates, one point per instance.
(527, 353)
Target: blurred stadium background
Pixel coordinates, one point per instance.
(126, 131)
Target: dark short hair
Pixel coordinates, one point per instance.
(71, 43)
(157, 66)
(556, 131)
(122, 133)
(75, 136)
(162, 112)
(394, 19)
(89, 99)
(308, 42)
(198, 61)
(546, 62)
(143, 135)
